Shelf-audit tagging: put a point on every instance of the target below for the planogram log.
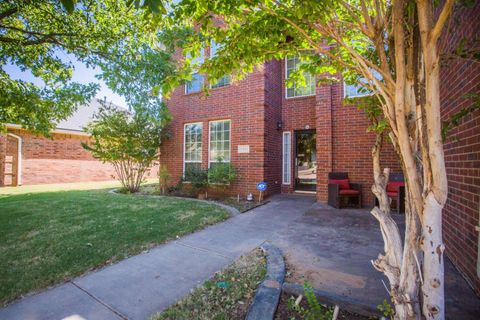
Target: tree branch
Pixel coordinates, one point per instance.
(442, 18)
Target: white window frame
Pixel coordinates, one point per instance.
(185, 142)
(287, 159)
(209, 138)
(197, 60)
(213, 86)
(286, 88)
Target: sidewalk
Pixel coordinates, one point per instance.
(142, 285)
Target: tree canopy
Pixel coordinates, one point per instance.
(34, 35)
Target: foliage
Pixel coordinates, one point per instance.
(386, 309)
(314, 311)
(225, 296)
(130, 142)
(41, 36)
(198, 178)
(222, 173)
(163, 178)
(57, 235)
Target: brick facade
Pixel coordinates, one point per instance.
(258, 103)
(462, 147)
(255, 106)
(59, 159)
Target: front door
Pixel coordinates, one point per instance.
(306, 160)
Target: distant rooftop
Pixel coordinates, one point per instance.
(82, 116)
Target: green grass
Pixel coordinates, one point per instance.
(226, 296)
(49, 237)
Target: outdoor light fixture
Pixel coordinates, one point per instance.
(279, 125)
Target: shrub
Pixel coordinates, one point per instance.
(198, 179)
(129, 141)
(222, 173)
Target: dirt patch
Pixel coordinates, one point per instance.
(285, 310)
(227, 295)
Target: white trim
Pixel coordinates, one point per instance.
(209, 129)
(284, 181)
(285, 85)
(64, 131)
(184, 141)
(19, 156)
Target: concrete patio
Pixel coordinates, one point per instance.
(331, 248)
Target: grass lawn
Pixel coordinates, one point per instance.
(226, 296)
(48, 237)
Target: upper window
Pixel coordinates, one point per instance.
(225, 80)
(357, 90)
(219, 141)
(197, 82)
(292, 64)
(192, 147)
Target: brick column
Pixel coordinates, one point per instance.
(323, 114)
(3, 152)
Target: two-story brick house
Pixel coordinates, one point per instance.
(289, 137)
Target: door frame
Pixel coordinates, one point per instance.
(295, 153)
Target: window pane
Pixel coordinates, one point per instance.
(293, 63)
(193, 144)
(220, 140)
(196, 84)
(286, 157)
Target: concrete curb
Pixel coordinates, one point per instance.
(332, 299)
(231, 210)
(268, 293)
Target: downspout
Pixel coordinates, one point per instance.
(19, 157)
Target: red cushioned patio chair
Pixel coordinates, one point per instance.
(396, 191)
(339, 187)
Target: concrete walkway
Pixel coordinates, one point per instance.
(142, 285)
(330, 248)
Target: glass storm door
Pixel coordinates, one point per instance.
(306, 160)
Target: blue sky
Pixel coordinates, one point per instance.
(81, 74)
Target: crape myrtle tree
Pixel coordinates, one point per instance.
(391, 49)
(130, 142)
(40, 36)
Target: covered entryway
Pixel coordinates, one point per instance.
(305, 160)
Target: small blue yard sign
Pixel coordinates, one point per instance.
(262, 186)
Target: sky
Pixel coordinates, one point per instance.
(81, 74)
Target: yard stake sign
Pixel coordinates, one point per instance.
(261, 186)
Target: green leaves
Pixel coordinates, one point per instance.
(42, 36)
(69, 5)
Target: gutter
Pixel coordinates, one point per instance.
(64, 131)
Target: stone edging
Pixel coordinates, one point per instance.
(331, 299)
(231, 210)
(268, 293)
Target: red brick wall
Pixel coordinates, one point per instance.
(243, 103)
(3, 150)
(352, 145)
(343, 143)
(60, 159)
(462, 147)
(273, 135)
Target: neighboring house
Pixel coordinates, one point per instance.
(27, 159)
(291, 138)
